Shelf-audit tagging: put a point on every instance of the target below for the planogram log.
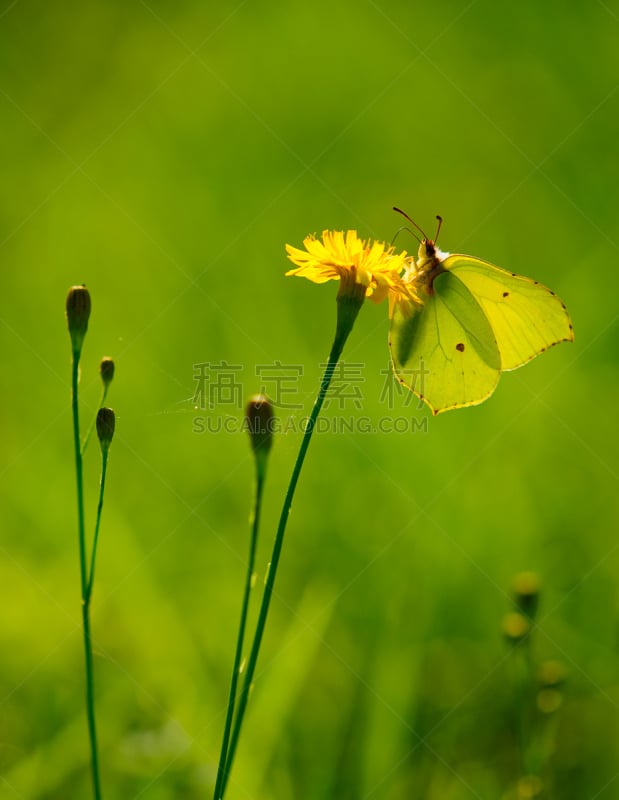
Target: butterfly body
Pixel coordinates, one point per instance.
(474, 321)
(427, 266)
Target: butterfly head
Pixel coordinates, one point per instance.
(429, 256)
(427, 266)
(427, 251)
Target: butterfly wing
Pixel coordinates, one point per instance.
(526, 317)
(445, 351)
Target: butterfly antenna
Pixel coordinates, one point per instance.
(412, 221)
(438, 227)
(399, 231)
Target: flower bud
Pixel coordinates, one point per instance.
(529, 787)
(78, 312)
(550, 677)
(106, 422)
(551, 674)
(106, 370)
(516, 627)
(526, 586)
(549, 700)
(259, 418)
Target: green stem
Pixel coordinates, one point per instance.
(92, 424)
(348, 307)
(222, 772)
(90, 704)
(93, 557)
(524, 704)
(90, 701)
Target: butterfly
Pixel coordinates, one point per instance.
(474, 322)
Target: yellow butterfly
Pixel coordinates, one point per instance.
(475, 321)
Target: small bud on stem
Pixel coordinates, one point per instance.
(259, 415)
(78, 312)
(526, 588)
(516, 627)
(106, 422)
(106, 370)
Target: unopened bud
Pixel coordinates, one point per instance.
(106, 422)
(78, 312)
(526, 588)
(516, 627)
(529, 787)
(259, 417)
(106, 370)
(549, 700)
(551, 674)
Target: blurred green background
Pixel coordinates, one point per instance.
(164, 154)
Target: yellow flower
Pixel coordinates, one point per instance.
(351, 260)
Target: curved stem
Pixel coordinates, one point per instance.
(90, 703)
(348, 309)
(92, 424)
(93, 557)
(222, 773)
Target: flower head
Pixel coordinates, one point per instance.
(354, 262)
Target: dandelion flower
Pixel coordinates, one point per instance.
(354, 262)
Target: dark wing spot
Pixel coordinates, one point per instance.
(460, 347)
(505, 294)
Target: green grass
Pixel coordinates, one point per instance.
(163, 154)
